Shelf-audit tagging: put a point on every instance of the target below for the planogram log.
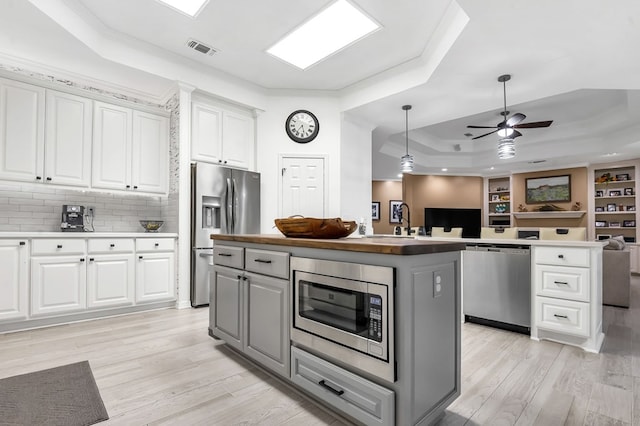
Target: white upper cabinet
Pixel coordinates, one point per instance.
(150, 160)
(130, 149)
(68, 139)
(222, 136)
(21, 131)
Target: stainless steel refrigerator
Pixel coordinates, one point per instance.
(223, 201)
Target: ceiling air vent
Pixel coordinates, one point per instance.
(536, 161)
(200, 47)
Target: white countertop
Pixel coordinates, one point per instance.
(561, 243)
(88, 235)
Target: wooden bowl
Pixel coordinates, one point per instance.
(309, 227)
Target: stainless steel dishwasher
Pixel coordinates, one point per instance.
(497, 285)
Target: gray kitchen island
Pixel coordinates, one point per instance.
(368, 327)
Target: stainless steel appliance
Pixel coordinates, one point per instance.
(72, 218)
(345, 311)
(497, 285)
(223, 201)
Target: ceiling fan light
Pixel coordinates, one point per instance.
(506, 149)
(406, 163)
(503, 133)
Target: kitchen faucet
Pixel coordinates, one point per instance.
(409, 231)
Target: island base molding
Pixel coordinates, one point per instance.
(592, 345)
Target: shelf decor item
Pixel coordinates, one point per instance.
(631, 208)
(599, 193)
(614, 224)
(611, 207)
(599, 209)
(628, 223)
(548, 189)
(622, 176)
(309, 227)
(614, 193)
(628, 191)
(601, 223)
(495, 197)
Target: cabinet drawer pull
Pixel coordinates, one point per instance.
(128, 186)
(262, 260)
(560, 316)
(82, 259)
(91, 259)
(139, 257)
(326, 386)
(225, 254)
(156, 244)
(59, 246)
(135, 186)
(22, 243)
(561, 256)
(38, 177)
(48, 179)
(112, 245)
(561, 282)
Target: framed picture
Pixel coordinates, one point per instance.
(614, 224)
(629, 223)
(611, 207)
(628, 191)
(495, 197)
(375, 210)
(599, 193)
(614, 193)
(601, 223)
(599, 208)
(548, 189)
(601, 237)
(395, 214)
(630, 208)
(623, 176)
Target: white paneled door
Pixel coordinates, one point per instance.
(303, 186)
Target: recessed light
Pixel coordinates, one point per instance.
(188, 7)
(400, 175)
(444, 170)
(610, 154)
(332, 29)
(491, 168)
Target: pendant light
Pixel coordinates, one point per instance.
(406, 162)
(506, 148)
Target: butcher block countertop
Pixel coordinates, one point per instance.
(380, 245)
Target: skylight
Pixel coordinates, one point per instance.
(189, 7)
(334, 28)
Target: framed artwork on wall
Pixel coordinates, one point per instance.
(375, 210)
(395, 214)
(548, 189)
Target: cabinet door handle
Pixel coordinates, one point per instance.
(22, 243)
(128, 186)
(561, 282)
(91, 259)
(38, 177)
(135, 186)
(262, 260)
(59, 246)
(561, 256)
(224, 254)
(48, 179)
(82, 259)
(560, 316)
(156, 244)
(139, 257)
(225, 161)
(112, 245)
(324, 384)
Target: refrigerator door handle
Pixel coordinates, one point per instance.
(205, 254)
(233, 206)
(228, 203)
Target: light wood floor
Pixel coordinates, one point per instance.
(161, 367)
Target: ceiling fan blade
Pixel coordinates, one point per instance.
(515, 119)
(533, 125)
(481, 127)
(515, 134)
(486, 134)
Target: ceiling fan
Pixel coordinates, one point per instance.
(507, 127)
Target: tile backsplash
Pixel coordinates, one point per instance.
(30, 207)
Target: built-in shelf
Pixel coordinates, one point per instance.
(550, 215)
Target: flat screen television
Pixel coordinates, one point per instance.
(470, 220)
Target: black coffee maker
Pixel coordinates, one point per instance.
(72, 218)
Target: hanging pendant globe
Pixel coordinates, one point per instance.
(506, 149)
(406, 163)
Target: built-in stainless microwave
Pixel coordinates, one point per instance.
(345, 311)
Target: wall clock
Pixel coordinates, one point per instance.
(302, 126)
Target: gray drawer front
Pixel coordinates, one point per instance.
(265, 262)
(361, 399)
(228, 256)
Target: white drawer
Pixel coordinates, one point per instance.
(364, 400)
(111, 245)
(265, 262)
(57, 246)
(563, 282)
(228, 256)
(563, 256)
(563, 316)
(155, 244)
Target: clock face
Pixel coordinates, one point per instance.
(302, 126)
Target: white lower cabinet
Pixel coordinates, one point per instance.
(362, 399)
(14, 290)
(155, 277)
(110, 272)
(58, 284)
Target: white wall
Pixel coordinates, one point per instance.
(272, 141)
(355, 155)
